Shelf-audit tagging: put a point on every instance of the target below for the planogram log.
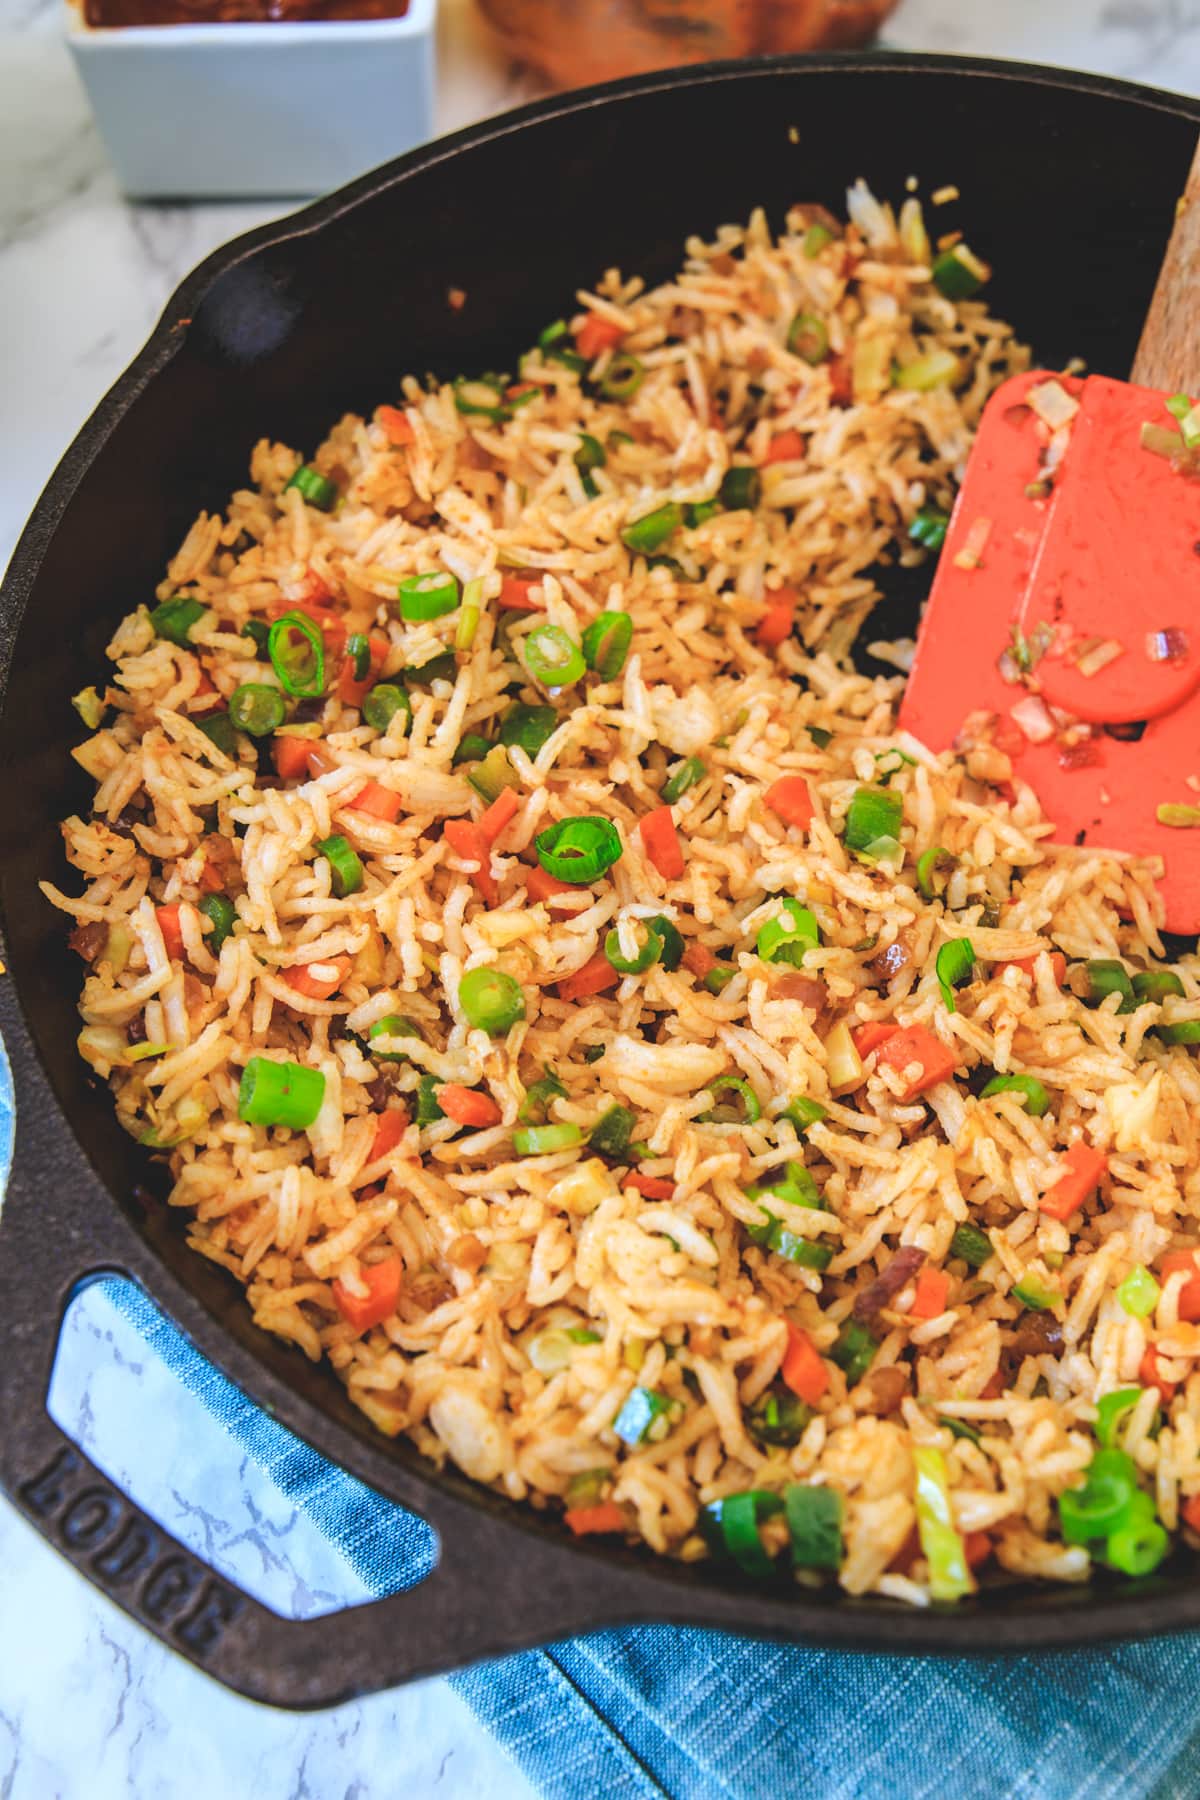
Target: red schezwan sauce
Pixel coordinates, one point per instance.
(236, 12)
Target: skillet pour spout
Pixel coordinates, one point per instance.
(1069, 185)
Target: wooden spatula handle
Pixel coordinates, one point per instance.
(1168, 352)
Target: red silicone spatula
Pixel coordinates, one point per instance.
(1064, 620)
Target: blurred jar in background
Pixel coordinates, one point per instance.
(575, 42)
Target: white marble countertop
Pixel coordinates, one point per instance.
(88, 1704)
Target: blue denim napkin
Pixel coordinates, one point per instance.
(655, 1710)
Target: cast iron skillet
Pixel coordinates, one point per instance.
(1068, 186)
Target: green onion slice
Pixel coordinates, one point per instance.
(741, 488)
(1139, 1293)
(296, 646)
(358, 649)
(538, 1095)
(257, 708)
(280, 1093)
(491, 1000)
(259, 631)
(315, 488)
(552, 657)
(428, 596)
(345, 865)
(930, 527)
(744, 1110)
(730, 1527)
(623, 377)
(698, 512)
(934, 866)
(647, 954)
(493, 773)
(1035, 1293)
(1156, 984)
(1104, 1503)
(174, 619)
(606, 644)
(590, 455)
(528, 726)
(1111, 1411)
(471, 748)
(854, 1351)
(1036, 1098)
(382, 704)
(483, 399)
(778, 1416)
(1187, 1031)
(803, 1112)
(958, 273)
(649, 533)
(219, 729)
(875, 815)
(954, 965)
(808, 338)
(814, 1516)
(429, 1109)
(578, 850)
(612, 1131)
(815, 240)
(543, 1140)
(223, 915)
(789, 936)
(671, 954)
(684, 776)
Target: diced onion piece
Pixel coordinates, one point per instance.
(843, 1064)
(971, 554)
(1168, 645)
(1161, 442)
(913, 236)
(1099, 656)
(1008, 668)
(1034, 721)
(1052, 404)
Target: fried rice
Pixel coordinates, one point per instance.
(757, 1287)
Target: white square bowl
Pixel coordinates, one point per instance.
(207, 111)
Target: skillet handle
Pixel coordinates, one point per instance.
(488, 1594)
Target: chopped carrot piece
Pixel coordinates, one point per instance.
(1082, 1169)
(211, 878)
(1189, 1293)
(498, 814)
(790, 800)
(318, 980)
(775, 626)
(785, 446)
(172, 933)
(515, 593)
(1191, 1512)
(914, 1044)
(466, 1106)
(381, 802)
(467, 840)
(314, 592)
(594, 977)
(977, 1547)
(654, 1187)
(804, 1370)
(379, 1302)
(584, 1520)
(1058, 963)
(541, 885)
(933, 1290)
(1149, 1376)
(391, 1128)
(351, 692)
(870, 1036)
(290, 756)
(396, 426)
(596, 335)
(660, 840)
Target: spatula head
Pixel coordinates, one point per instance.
(1069, 538)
